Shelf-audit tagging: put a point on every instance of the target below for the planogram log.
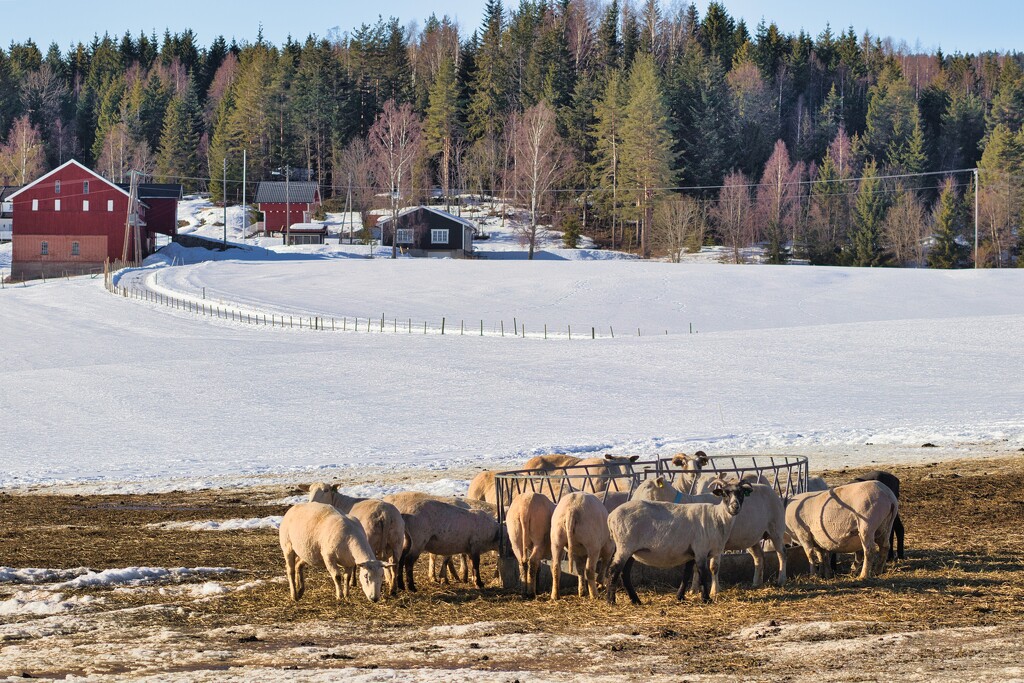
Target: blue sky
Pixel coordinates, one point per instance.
(964, 26)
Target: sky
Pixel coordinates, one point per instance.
(951, 25)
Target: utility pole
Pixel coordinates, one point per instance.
(348, 209)
(287, 205)
(224, 188)
(245, 208)
(976, 174)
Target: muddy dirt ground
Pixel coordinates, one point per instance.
(953, 610)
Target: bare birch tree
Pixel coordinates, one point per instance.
(679, 225)
(540, 160)
(734, 214)
(23, 158)
(395, 140)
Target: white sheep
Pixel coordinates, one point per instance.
(547, 463)
(763, 516)
(668, 535)
(318, 535)
(443, 529)
(855, 517)
(690, 480)
(605, 472)
(528, 521)
(579, 525)
(382, 522)
(481, 487)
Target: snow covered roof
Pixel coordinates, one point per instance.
(433, 209)
(307, 227)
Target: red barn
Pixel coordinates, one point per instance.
(286, 202)
(70, 221)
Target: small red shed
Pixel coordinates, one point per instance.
(286, 202)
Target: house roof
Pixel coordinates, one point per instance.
(156, 190)
(307, 227)
(439, 212)
(276, 192)
(61, 168)
(6, 190)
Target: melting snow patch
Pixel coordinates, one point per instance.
(136, 576)
(40, 602)
(272, 522)
(37, 575)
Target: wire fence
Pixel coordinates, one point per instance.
(383, 324)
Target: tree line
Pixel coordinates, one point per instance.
(654, 130)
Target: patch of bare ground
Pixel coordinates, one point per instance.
(953, 610)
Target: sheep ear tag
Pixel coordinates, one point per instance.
(661, 484)
(746, 492)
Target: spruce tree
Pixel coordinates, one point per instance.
(177, 159)
(647, 156)
(441, 127)
(946, 251)
(868, 215)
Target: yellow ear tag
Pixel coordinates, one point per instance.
(661, 484)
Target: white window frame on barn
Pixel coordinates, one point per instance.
(405, 236)
(44, 248)
(439, 236)
(76, 249)
(85, 205)
(85, 187)
(110, 205)
(56, 205)
(35, 204)
(56, 187)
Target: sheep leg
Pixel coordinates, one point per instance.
(300, 579)
(780, 553)
(627, 581)
(465, 567)
(524, 577)
(867, 542)
(432, 568)
(580, 565)
(556, 570)
(289, 570)
(475, 559)
(687, 580)
(812, 566)
(704, 574)
(591, 569)
(757, 553)
(399, 578)
(409, 561)
(897, 531)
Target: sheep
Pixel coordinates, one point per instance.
(547, 463)
(893, 482)
(439, 570)
(443, 529)
(579, 525)
(667, 535)
(606, 472)
(382, 522)
(690, 479)
(482, 487)
(763, 516)
(816, 484)
(529, 532)
(613, 499)
(849, 518)
(316, 534)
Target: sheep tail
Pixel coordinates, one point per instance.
(569, 529)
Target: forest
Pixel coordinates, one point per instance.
(652, 129)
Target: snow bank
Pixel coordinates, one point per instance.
(41, 602)
(39, 575)
(136, 576)
(271, 522)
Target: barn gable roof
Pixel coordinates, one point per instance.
(440, 212)
(61, 168)
(276, 192)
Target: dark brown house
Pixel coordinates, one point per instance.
(428, 231)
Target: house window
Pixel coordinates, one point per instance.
(75, 250)
(85, 205)
(44, 248)
(56, 187)
(56, 205)
(405, 236)
(35, 204)
(85, 187)
(110, 205)
(439, 236)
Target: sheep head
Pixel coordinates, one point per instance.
(732, 493)
(371, 573)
